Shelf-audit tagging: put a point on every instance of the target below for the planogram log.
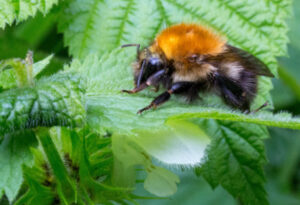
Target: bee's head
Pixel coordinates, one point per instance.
(147, 64)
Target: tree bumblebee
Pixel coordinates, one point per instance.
(189, 58)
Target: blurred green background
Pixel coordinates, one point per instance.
(283, 148)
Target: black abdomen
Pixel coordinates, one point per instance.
(237, 93)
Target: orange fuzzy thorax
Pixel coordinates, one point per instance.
(183, 40)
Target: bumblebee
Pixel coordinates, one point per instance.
(189, 58)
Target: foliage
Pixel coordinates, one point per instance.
(69, 175)
(237, 154)
(93, 154)
(19, 10)
(15, 151)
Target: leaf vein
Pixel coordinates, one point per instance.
(248, 21)
(246, 177)
(124, 19)
(89, 23)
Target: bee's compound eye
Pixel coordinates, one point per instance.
(155, 63)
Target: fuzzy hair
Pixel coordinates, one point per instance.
(183, 40)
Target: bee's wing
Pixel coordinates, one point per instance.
(250, 62)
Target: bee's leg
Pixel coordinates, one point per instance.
(152, 80)
(136, 89)
(157, 101)
(165, 96)
(233, 93)
(260, 107)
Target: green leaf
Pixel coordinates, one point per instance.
(41, 65)
(38, 179)
(15, 152)
(22, 70)
(57, 100)
(182, 144)
(126, 151)
(105, 103)
(127, 154)
(19, 10)
(66, 187)
(282, 119)
(161, 182)
(8, 79)
(88, 160)
(97, 26)
(236, 158)
(8, 76)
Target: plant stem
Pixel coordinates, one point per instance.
(65, 185)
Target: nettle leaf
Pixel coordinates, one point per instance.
(20, 10)
(57, 100)
(108, 75)
(15, 152)
(41, 65)
(38, 179)
(235, 159)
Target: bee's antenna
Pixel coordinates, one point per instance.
(141, 74)
(133, 44)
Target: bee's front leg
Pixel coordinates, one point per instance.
(153, 80)
(136, 89)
